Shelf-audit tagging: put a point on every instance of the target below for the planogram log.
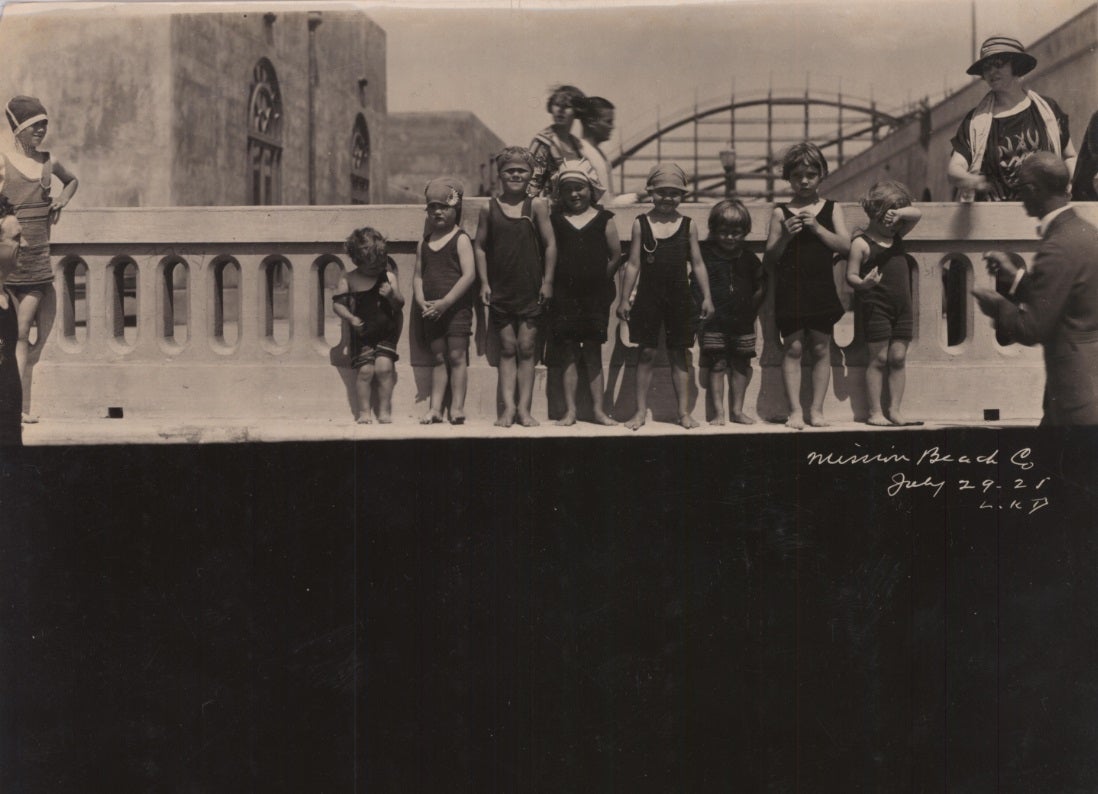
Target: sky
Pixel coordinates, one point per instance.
(500, 61)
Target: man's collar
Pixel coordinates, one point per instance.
(1046, 221)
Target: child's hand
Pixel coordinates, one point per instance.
(386, 289)
(432, 310)
(793, 224)
(357, 322)
(706, 308)
(624, 308)
(545, 294)
(890, 218)
(872, 277)
(808, 221)
(486, 295)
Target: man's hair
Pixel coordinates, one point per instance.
(593, 107)
(1046, 171)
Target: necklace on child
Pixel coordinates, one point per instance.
(650, 253)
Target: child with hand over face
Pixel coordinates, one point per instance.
(880, 271)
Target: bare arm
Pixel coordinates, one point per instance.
(761, 279)
(1070, 156)
(701, 275)
(903, 220)
(549, 240)
(390, 290)
(632, 270)
(481, 258)
(777, 238)
(958, 175)
(70, 182)
(340, 310)
(838, 240)
(417, 278)
(613, 249)
(859, 253)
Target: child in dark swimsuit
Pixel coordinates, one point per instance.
(369, 298)
(588, 254)
(880, 270)
(513, 236)
(442, 284)
(805, 237)
(11, 390)
(663, 243)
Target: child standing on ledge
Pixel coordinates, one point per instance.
(513, 235)
(588, 254)
(880, 270)
(737, 282)
(369, 298)
(663, 244)
(806, 235)
(444, 274)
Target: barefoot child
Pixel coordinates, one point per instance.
(444, 274)
(369, 298)
(880, 271)
(513, 234)
(737, 283)
(663, 243)
(805, 237)
(588, 254)
(11, 389)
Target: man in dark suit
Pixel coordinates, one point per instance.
(1055, 302)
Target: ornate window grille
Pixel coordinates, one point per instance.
(265, 135)
(360, 162)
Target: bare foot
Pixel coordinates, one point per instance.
(742, 419)
(636, 422)
(688, 422)
(384, 418)
(719, 419)
(878, 420)
(527, 421)
(794, 421)
(903, 421)
(507, 418)
(431, 418)
(29, 419)
(457, 418)
(602, 419)
(817, 420)
(567, 420)
(364, 419)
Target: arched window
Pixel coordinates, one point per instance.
(265, 135)
(360, 162)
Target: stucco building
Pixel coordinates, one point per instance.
(425, 145)
(151, 107)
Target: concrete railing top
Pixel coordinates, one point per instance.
(403, 224)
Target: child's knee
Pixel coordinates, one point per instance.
(526, 348)
(720, 366)
(897, 357)
(456, 356)
(821, 349)
(646, 355)
(794, 349)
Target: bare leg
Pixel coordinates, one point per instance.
(821, 375)
(508, 372)
(386, 380)
(874, 382)
(645, 357)
(439, 378)
(40, 308)
(716, 391)
(571, 381)
(897, 380)
(592, 358)
(791, 377)
(741, 378)
(458, 353)
(363, 381)
(527, 342)
(680, 379)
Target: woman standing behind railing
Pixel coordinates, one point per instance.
(26, 175)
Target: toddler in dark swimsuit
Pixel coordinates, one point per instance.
(513, 235)
(663, 244)
(369, 299)
(880, 270)
(588, 255)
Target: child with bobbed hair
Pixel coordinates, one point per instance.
(880, 271)
(807, 235)
(369, 299)
(737, 282)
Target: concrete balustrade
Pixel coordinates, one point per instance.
(233, 319)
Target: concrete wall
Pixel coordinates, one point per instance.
(214, 55)
(150, 107)
(1067, 62)
(296, 366)
(104, 78)
(423, 146)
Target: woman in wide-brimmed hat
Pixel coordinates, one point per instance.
(1008, 124)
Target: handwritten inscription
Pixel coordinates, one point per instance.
(1015, 486)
